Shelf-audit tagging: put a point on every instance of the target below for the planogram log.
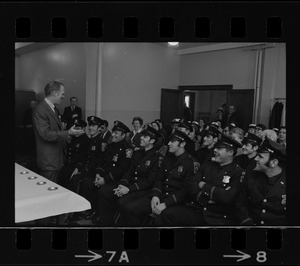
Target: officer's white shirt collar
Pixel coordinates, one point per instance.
(52, 106)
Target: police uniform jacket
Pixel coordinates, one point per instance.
(134, 140)
(77, 149)
(204, 154)
(115, 162)
(191, 148)
(244, 162)
(143, 170)
(262, 200)
(93, 154)
(107, 137)
(171, 183)
(217, 197)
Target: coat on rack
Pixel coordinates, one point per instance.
(275, 119)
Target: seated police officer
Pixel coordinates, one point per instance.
(135, 183)
(187, 128)
(85, 168)
(77, 150)
(247, 159)
(170, 186)
(210, 138)
(214, 188)
(262, 198)
(109, 169)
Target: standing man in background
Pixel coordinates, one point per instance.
(50, 136)
(72, 112)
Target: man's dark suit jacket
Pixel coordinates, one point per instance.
(70, 115)
(50, 137)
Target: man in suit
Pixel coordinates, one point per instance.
(72, 112)
(262, 198)
(230, 116)
(105, 133)
(50, 136)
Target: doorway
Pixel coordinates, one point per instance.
(204, 100)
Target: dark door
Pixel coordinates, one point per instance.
(171, 105)
(191, 106)
(22, 101)
(243, 101)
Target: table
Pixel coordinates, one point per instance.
(37, 197)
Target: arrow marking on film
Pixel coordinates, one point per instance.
(241, 257)
(95, 256)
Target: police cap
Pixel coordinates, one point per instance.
(253, 139)
(270, 146)
(94, 120)
(186, 124)
(119, 126)
(211, 130)
(151, 132)
(252, 126)
(175, 121)
(228, 142)
(179, 135)
(80, 123)
(261, 126)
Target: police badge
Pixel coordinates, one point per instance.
(180, 169)
(93, 148)
(283, 201)
(115, 158)
(148, 163)
(129, 153)
(226, 179)
(196, 167)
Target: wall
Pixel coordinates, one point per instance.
(237, 67)
(274, 80)
(224, 67)
(133, 76)
(64, 62)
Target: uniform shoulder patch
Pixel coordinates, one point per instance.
(196, 167)
(129, 153)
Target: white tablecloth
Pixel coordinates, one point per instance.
(33, 201)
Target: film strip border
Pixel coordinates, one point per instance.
(165, 27)
(148, 21)
(152, 246)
